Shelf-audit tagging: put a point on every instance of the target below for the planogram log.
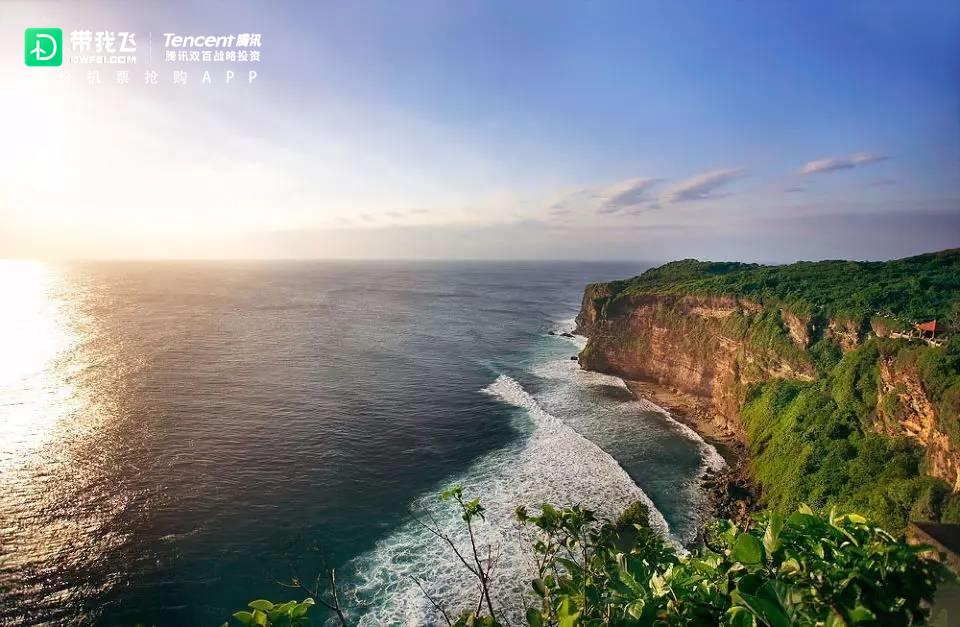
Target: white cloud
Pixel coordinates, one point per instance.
(627, 195)
(701, 186)
(570, 201)
(635, 196)
(830, 164)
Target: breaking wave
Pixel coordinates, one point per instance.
(570, 371)
(551, 463)
(569, 326)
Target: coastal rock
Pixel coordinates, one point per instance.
(732, 493)
(696, 345)
(799, 327)
(687, 343)
(904, 409)
(779, 357)
(847, 333)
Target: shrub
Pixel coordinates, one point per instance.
(800, 570)
(803, 569)
(266, 613)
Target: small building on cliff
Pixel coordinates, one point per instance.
(928, 330)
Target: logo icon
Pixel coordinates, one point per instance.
(43, 46)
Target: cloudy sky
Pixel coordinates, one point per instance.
(767, 131)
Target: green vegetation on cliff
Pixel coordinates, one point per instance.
(939, 372)
(916, 288)
(817, 442)
(825, 404)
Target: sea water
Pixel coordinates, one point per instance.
(176, 438)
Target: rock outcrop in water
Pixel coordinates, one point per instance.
(764, 346)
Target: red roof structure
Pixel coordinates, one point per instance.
(927, 327)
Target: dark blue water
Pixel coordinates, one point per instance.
(175, 437)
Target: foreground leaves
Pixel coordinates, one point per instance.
(267, 614)
(802, 570)
(805, 570)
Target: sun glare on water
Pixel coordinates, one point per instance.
(58, 505)
(34, 335)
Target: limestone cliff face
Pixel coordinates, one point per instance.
(694, 344)
(847, 333)
(904, 409)
(714, 347)
(798, 326)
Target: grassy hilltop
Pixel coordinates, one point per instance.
(924, 287)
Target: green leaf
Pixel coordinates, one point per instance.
(768, 611)
(533, 617)
(854, 518)
(261, 604)
(747, 550)
(861, 614)
(301, 610)
(549, 511)
(244, 617)
(284, 608)
(771, 537)
(658, 585)
(790, 566)
(834, 621)
(750, 583)
(259, 618)
(635, 609)
(452, 492)
(626, 577)
(567, 614)
(739, 616)
(780, 594)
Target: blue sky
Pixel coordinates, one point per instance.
(644, 130)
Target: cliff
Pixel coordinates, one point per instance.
(710, 347)
(906, 409)
(793, 361)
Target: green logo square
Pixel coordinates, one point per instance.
(43, 46)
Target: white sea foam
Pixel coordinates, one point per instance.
(569, 370)
(711, 457)
(569, 325)
(552, 464)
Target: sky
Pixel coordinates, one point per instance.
(763, 131)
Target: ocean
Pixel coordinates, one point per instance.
(177, 437)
